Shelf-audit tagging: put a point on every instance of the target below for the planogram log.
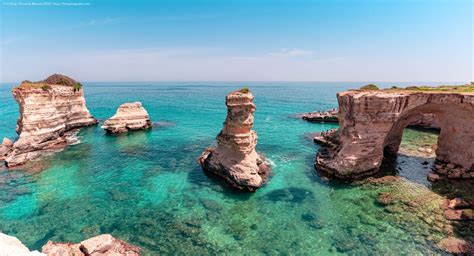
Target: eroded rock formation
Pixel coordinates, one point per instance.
(235, 159)
(372, 122)
(129, 117)
(50, 111)
(95, 246)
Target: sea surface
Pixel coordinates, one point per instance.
(146, 187)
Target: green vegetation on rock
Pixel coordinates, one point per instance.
(443, 88)
(45, 87)
(77, 86)
(369, 87)
(245, 90)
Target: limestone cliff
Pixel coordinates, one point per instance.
(129, 117)
(235, 159)
(372, 122)
(50, 110)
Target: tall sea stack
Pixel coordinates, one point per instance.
(50, 110)
(235, 159)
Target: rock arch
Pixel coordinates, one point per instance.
(372, 121)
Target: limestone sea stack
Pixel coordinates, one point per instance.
(129, 117)
(50, 111)
(235, 159)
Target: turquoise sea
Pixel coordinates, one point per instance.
(147, 188)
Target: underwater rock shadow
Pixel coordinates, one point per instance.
(291, 195)
(202, 179)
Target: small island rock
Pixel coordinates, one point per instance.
(129, 117)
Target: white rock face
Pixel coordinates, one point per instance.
(11, 246)
(48, 113)
(129, 117)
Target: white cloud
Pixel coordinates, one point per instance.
(102, 21)
(291, 52)
(12, 40)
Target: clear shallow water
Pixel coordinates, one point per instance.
(147, 188)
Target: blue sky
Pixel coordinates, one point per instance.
(239, 40)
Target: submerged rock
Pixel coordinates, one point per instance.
(235, 159)
(49, 112)
(129, 117)
(95, 246)
(10, 245)
(456, 246)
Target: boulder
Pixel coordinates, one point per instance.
(11, 246)
(456, 246)
(5, 147)
(61, 249)
(129, 117)
(100, 245)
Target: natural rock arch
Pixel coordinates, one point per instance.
(371, 121)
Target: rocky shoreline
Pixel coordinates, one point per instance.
(96, 246)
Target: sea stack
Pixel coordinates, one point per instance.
(50, 111)
(129, 117)
(235, 159)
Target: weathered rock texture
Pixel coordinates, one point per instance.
(50, 111)
(11, 246)
(429, 121)
(129, 117)
(235, 159)
(96, 246)
(372, 122)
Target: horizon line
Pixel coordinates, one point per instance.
(252, 81)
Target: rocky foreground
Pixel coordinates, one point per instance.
(372, 123)
(50, 111)
(96, 246)
(235, 159)
(129, 117)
